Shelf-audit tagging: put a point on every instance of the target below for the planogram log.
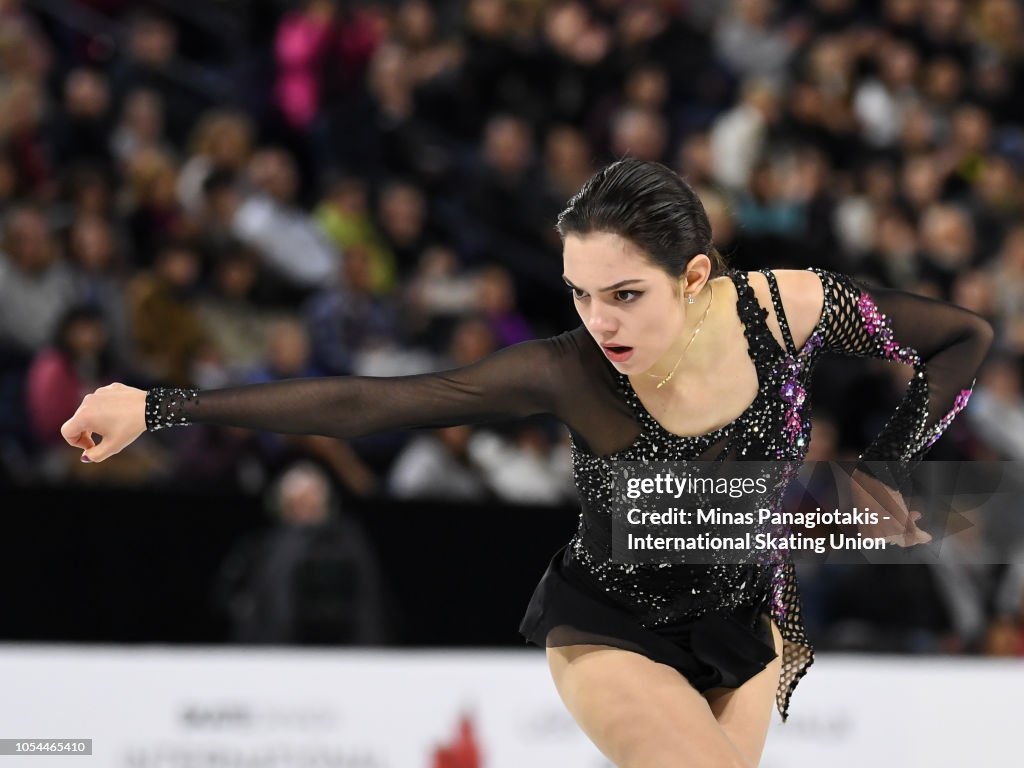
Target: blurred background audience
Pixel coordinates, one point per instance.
(207, 195)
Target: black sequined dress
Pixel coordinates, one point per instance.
(708, 621)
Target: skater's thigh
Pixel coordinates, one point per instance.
(639, 713)
(745, 713)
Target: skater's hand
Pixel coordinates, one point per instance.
(116, 413)
(901, 526)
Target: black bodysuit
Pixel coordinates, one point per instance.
(708, 621)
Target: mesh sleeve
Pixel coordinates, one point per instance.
(944, 343)
(514, 382)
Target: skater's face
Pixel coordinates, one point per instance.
(626, 301)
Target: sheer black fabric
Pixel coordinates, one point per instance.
(709, 622)
(559, 375)
(944, 343)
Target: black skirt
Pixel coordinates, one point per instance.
(718, 649)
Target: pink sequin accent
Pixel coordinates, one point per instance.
(794, 394)
(958, 405)
(961, 400)
(869, 313)
(877, 324)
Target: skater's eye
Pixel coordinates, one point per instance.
(623, 296)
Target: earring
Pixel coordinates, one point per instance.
(690, 299)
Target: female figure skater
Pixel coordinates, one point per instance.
(677, 358)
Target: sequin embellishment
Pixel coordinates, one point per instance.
(165, 407)
(958, 405)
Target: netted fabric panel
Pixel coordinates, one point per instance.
(797, 651)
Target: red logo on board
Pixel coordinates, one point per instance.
(463, 751)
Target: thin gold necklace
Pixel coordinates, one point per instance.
(696, 330)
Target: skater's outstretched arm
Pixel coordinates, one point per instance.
(514, 382)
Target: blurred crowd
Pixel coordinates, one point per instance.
(207, 194)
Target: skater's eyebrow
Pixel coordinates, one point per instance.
(610, 287)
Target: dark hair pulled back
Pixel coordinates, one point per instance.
(649, 205)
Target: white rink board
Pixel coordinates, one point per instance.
(161, 707)
(852, 711)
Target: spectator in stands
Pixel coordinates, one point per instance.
(222, 141)
(81, 134)
(285, 236)
(238, 325)
(23, 131)
(36, 285)
(312, 579)
(497, 304)
(437, 466)
(348, 319)
(344, 215)
(78, 362)
(98, 268)
(153, 214)
(401, 216)
(287, 356)
(153, 62)
(140, 126)
(169, 332)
